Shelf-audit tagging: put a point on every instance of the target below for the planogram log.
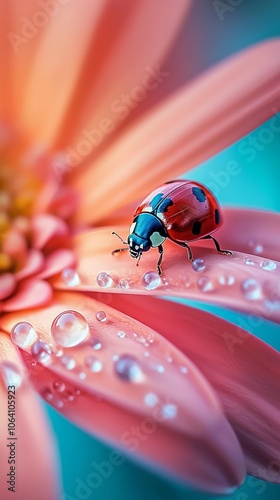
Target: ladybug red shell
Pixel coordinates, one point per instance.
(182, 211)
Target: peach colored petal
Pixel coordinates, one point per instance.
(244, 371)
(190, 438)
(36, 471)
(34, 262)
(192, 125)
(233, 282)
(30, 293)
(46, 227)
(7, 285)
(56, 262)
(14, 245)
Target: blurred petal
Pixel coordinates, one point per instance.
(244, 371)
(46, 227)
(184, 413)
(234, 282)
(36, 471)
(56, 262)
(192, 125)
(30, 293)
(34, 262)
(7, 285)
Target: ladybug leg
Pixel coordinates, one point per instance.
(119, 250)
(160, 249)
(225, 252)
(185, 245)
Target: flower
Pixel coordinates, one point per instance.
(105, 356)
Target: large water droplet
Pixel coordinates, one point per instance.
(93, 364)
(70, 277)
(169, 411)
(198, 265)
(23, 334)
(205, 284)
(10, 374)
(151, 399)
(127, 368)
(151, 280)
(41, 351)
(68, 362)
(268, 265)
(104, 280)
(101, 316)
(252, 289)
(69, 328)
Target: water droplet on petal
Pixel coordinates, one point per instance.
(268, 265)
(186, 281)
(69, 328)
(256, 247)
(183, 369)
(151, 399)
(104, 280)
(95, 344)
(68, 396)
(68, 362)
(151, 280)
(82, 375)
(128, 369)
(59, 404)
(272, 305)
(23, 334)
(10, 374)
(252, 289)
(249, 262)
(101, 316)
(59, 386)
(121, 334)
(205, 284)
(160, 368)
(226, 280)
(123, 284)
(198, 265)
(47, 394)
(93, 364)
(169, 411)
(70, 277)
(41, 351)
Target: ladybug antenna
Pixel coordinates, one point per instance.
(124, 242)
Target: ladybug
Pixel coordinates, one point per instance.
(180, 210)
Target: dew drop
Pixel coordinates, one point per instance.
(123, 284)
(23, 334)
(47, 394)
(41, 351)
(249, 262)
(60, 404)
(151, 399)
(226, 280)
(95, 344)
(268, 265)
(121, 334)
(69, 328)
(10, 374)
(272, 305)
(183, 369)
(128, 369)
(104, 280)
(93, 364)
(169, 411)
(151, 280)
(70, 277)
(68, 396)
(82, 375)
(160, 368)
(252, 289)
(59, 386)
(101, 316)
(256, 247)
(205, 284)
(186, 281)
(198, 265)
(68, 362)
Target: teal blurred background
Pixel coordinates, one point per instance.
(213, 39)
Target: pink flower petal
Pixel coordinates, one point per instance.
(33, 264)
(14, 244)
(56, 262)
(30, 293)
(46, 227)
(174, 138)
(7, 285)
(244, 371)
(190, 439)
(36, 472)
(234, 282)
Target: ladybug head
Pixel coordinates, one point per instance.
(137, 245)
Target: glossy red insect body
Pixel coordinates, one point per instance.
(182, 211)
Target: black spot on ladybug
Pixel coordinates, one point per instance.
(217, 216)
(196, 227)
(199, 194)
(164, 204)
